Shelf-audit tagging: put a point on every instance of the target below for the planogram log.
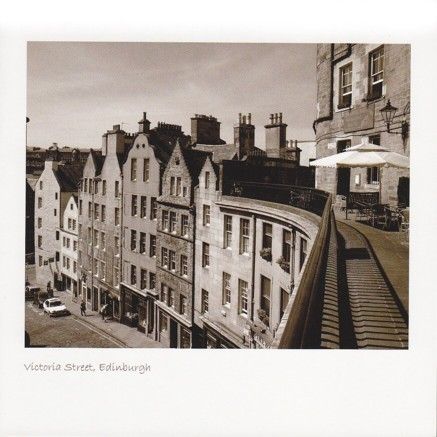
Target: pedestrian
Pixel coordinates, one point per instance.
(103, 312)
(82, 308)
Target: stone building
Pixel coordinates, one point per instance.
(100, 222)
(142, 181)
(68, 239)
(355, 81)
(53, 190)
(175, 249)
(249, 255)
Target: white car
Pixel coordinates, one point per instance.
(54, 307)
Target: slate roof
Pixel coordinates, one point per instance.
(195, 160)
(69, 176)
(98, 160)
(219, 152)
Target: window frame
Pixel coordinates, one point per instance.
(345, 91)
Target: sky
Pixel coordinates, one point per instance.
(76, 91)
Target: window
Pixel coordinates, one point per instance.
(284, 302)
(39, 222)
(206, 215)
(286, 245)
(152, 281)
(143, 210)
(73, 224)
(184, 265)
(102, 240)
(96, 187)
(205, 255)
(68, 263)
(265, 296)
(171, 298)
(69, 223)
(184, 191)
(152, 248)
(153, 208)
(133, 275)
(345, 90)
(75, 246)
(172, 221)
(373, 172)
(80, 230)
(104, 187)
(142, 242)
(134, 205)
(116, 277)
(85, 185)
(204, 302)
(303, 251)
(376, 73)
(71, 206)
(164, 257)
(165, 220)
(56, 196)
(242, 296)
(63, 261)
(226, 289)
(116, 246)
(39, 202)
(244, 236)
(143, 279)
(57, 235)
(117, 216)
(89, 235)
(96, 238)
(163, 293)
(80, 207)
(267, 236)
(54, 212)
(162, 322)
(207, 179)
(183, 305)
(57, 255)
(228, 231)
(40, 260)
(40, 185)
(184, 225)
(40, 241)
(90, 210)
(133, 240)
(133, 169)
(373, 175)
(102, 269)
(117, 188)
(172, 186)
(146, 165)
(172, 260)
(103, 213)
(342, 145)
(178, 186)
(96, 212)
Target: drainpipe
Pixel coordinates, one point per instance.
(193, 211)
(122, 242)
(92, 240)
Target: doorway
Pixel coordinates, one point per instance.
(343, 181)
(95, 300)
(173, 334)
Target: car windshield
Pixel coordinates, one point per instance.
(55, 303)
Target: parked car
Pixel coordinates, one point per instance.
(30, 291)
(54, 307)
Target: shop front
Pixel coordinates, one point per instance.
(137, 310)
(172, 331)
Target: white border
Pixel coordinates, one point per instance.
(268, 393)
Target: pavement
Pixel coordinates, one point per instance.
(122, 335)
(391, 249)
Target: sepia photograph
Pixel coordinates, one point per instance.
(216, 195)
(218, 219)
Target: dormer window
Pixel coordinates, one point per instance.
(176, 160)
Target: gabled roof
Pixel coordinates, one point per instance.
(98, 160)
(68, 176)
(195, 160)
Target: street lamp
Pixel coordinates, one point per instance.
(388, 112)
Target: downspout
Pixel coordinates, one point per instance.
(193, 212)
(252, 288)
(92, 241)
(121, 309)
(293, 259)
